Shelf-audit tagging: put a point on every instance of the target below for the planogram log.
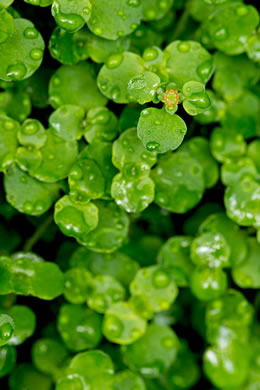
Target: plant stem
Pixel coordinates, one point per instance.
(29, 244)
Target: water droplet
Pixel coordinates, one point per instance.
(77, 173)
(164, 305)
(150, 14)
(168, 342)
(133, 26)
(120, 33)
(28, 207)
(31, 33)
(87, 10)
(163, 4)
(97, 30)
(114, 61)
(16, 72)
(125, 142)
(183, 47)
(160, 279)
(36, 54)
(30, 128)
(23, 179)
(162, 199)
(51, 157)
(157, 122)
(134, 3)
(113, 326)
(55, 101)
(204, 70)
(221, 34)
(145, 113)
(8, 124)
(56, 81)
(115, 93)
(150, 54)
(152, 146)
(39, 206)
(242, 11)
(136, 333)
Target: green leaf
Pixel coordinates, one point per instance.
(233, 75)
(122, 325)
(214, 113)
(15, 103)
(27, 194)
(159, 131)
(242, 201)
(78, 282)
(8, 142)
(116, 19)
(102, 124)
(111, 230)
(75, 219)
(7, 360)
(142, 88)
(154, 353)
(55, 159)
(21, 54)
(71, 16)
(68, 48)
(48, 355)
(116, 264)
(105, 291)
(73, 317)
(234, 170)
(6, 25)
(196, 99)
(179, 182)
(48, 281)
(86, 181)
(101, 153)
(188, 61)
(156, 10)
(230, 27)
(129, 152)
(132, 194)
(100, 369)
(228, 318)
(7, 326)
(226, 143)
(198, 147)
(25, 323)
(220, 223)
(127, 380)
(216, 362)
(67, 122)
(32, 133)
(155, 286)
(175, 256)
(211, 250)
(101, 49)
(242, 115)
(75, 85)
(41, 3)
(114, 76)
(246, 274)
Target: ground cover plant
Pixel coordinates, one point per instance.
(130, 195)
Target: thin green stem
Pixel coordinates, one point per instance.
(182, 23)
(29, 244)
